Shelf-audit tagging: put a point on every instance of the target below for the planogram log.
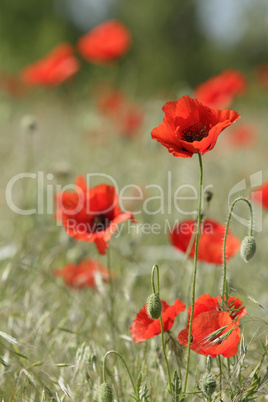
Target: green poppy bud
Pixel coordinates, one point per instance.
(154, 306)
(105, 393)
(248, 248)
(208, 384)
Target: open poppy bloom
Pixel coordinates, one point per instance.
(84, 274)
(105, 43)
(205, 302)
(59, 65)
(219, 91)
(144, 327)
(90, 215)
(260, 195)
(214, 332)
(189, 127)
(210, 240)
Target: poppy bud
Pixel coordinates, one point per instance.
(248, 248)
(208, 195)
(105, 393)
(208, 384)
(154, 306)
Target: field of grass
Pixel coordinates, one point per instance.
(52, 337)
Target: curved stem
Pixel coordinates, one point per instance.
(194, 271)
(104, 366)
(155, 268)
(225, 285)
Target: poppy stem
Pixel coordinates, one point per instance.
(225, 284)
(110, 291)
(125, 364)
(156, 268)
(194, 270)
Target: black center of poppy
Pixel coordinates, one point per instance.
(196, 132)
(99, 223)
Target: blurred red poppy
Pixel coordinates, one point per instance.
(12, 85)
(210, 243)
(90, 215)
(125, 115)
(219, 91)
(144, 327)
(260, 195)
(190, 127)
(262, 75)
(214, 332)
(242, 135)
(105, 43)
(84, 274)
(56, 67)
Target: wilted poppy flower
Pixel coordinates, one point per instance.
(84, 274)
(210, 240)
(59, 65)
(105, 43)
(144, 327)
(260, 195)
(90, 215)
(214, 332)
(219, 91)
(189, 127)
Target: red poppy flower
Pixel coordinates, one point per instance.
(208, 337)
(190, 127)
(125, 115)
(90, 215)
(144, 327)
(105, 43)
(59, 65)
(110, 101)
(260, 195)
(12, 85)
(210, 241)
(214, 332)
(242, 135)
(84, 274)
(205, 303)
(219, 91)
(262, 75)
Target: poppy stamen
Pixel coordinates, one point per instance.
(196, 132)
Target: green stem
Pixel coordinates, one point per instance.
(110, 291)
(194, 271)
(225, 284)
(104, 367)
(156, 268)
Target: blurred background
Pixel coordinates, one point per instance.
(173, 42)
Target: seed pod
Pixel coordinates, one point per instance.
(248, 248)
(208, 384)
(105, 393)
(154, 306)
